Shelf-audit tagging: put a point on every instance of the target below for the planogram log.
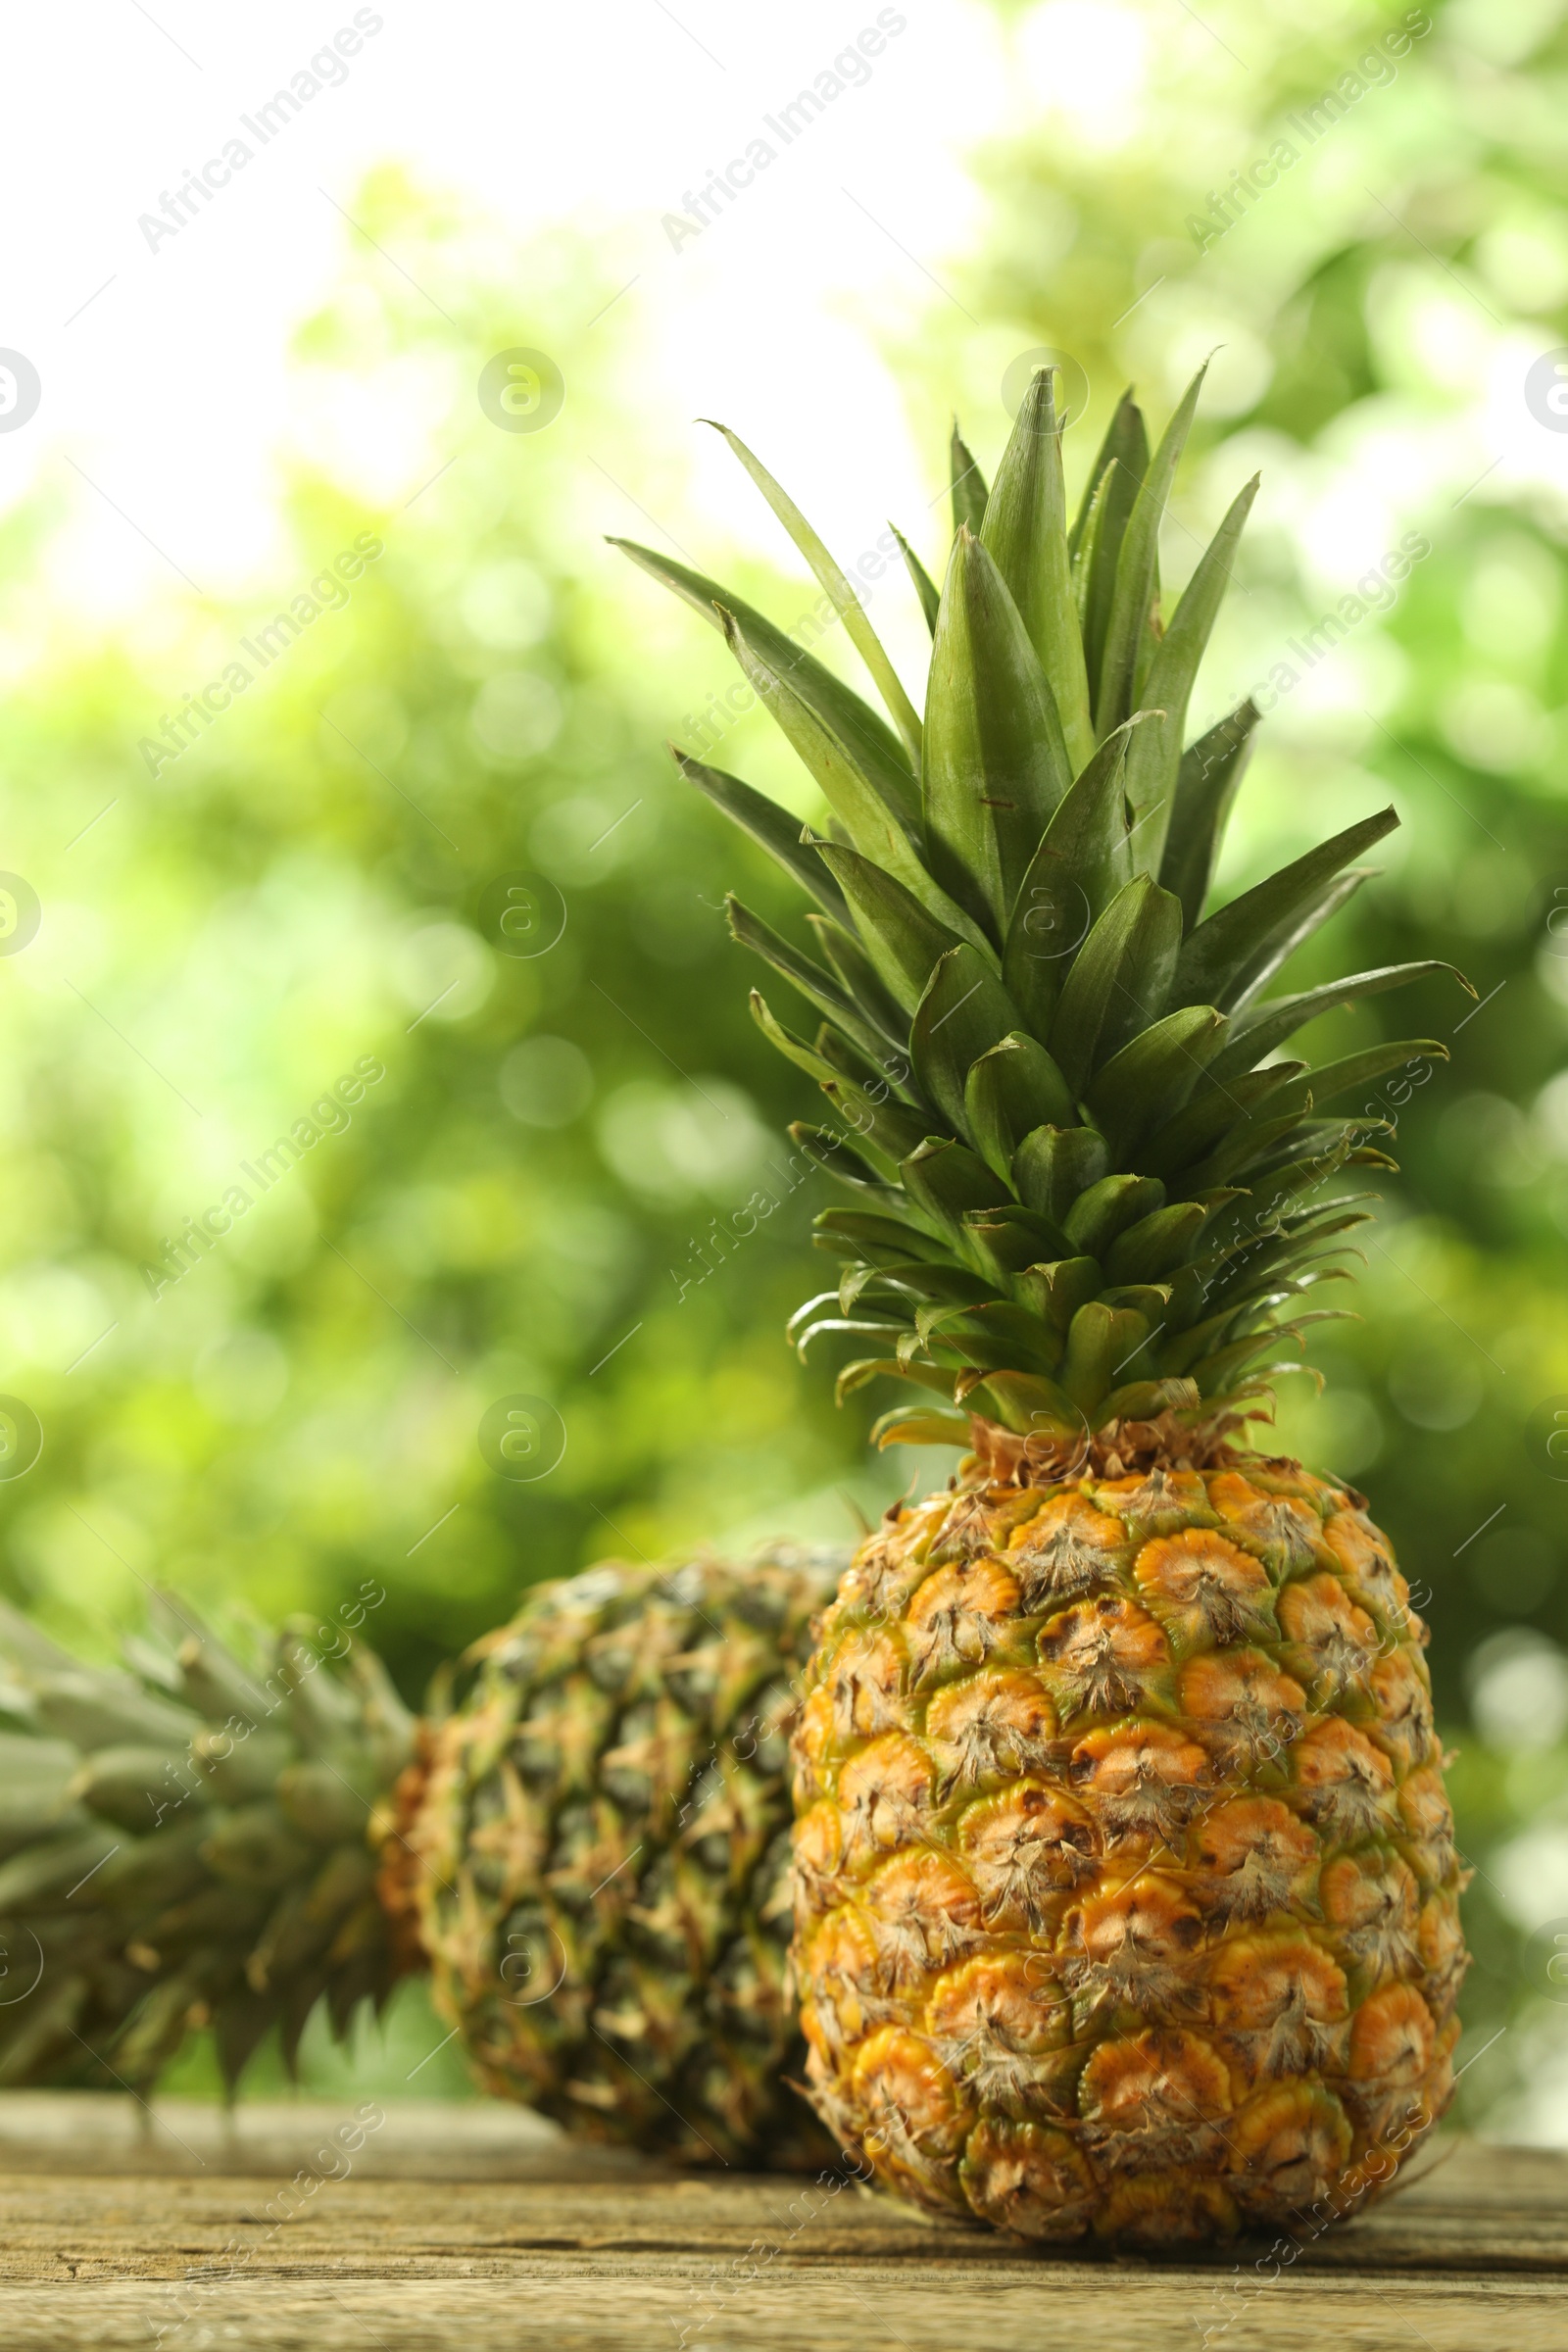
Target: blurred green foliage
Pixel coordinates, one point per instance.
(541, 1196)
(544, 1194)
(525, 1202)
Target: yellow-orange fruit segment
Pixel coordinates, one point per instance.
(1127, 1896)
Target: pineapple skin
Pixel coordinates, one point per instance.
(1126, 1890)
(593, 1853)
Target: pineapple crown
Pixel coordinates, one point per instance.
(187, 1843)
(1087, 1190)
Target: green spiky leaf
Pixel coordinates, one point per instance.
(1119, 980)
(968, 486)
(996, 765)
(1025, 533)
(1155, 759)
(1133, 593)
(964, 1011)
(1009, 1091)
(819, 987)
(925, 587)
(1206, 781)
(1032, 1026)
(846, 601)
(766, 822)
(1095, 542)
(1224, 954)
(904, 938)
(869, 739)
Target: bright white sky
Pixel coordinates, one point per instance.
(169, 407)
(166, 384)
(164, 374)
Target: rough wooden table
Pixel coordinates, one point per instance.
(475, 2226)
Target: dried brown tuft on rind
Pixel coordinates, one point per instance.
(397, 1873)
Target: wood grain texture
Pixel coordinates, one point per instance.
(477, 2227)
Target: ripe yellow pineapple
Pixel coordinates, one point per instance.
(588, 1848)
(1127, 1889)
(1127, 1895)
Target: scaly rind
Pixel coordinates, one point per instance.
(1127, 1898)
(598, 1843)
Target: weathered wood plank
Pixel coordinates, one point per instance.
(428, 2140)
(834, 2310)
(478, 2227)
(152, 2226)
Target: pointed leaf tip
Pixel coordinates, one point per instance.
(925, 588)
(996, 765)
(840, 589)
(769, 825)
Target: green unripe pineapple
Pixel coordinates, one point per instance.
(588, 1850)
